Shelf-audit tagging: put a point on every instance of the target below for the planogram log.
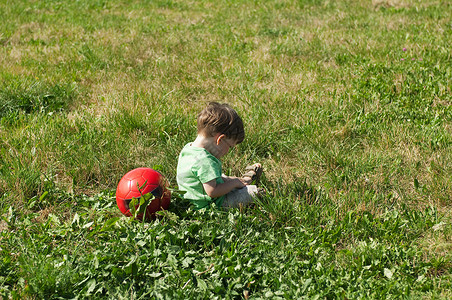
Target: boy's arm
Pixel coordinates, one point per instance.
(215, 190)
(245, 180)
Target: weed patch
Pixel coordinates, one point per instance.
(215, 253)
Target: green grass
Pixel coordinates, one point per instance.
(347, 104)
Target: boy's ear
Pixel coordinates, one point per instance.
(219, 137)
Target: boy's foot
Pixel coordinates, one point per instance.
(253, 173)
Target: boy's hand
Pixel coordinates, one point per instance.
(241, 183)
(246, 180)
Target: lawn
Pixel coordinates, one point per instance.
(346, 104)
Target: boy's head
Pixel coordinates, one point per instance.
(221, 118)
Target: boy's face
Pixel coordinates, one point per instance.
(224, 145)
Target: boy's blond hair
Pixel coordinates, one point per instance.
(221, 118)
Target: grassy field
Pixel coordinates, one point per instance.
(347, 104)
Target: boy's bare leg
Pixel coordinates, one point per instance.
(243, 196)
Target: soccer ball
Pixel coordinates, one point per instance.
(150, 181)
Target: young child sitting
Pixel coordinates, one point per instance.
(199, 171)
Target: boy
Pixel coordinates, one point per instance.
(199, 170)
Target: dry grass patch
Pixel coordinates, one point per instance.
(397, 4)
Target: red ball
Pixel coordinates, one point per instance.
(151, 181)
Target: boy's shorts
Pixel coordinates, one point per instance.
(243, 196)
